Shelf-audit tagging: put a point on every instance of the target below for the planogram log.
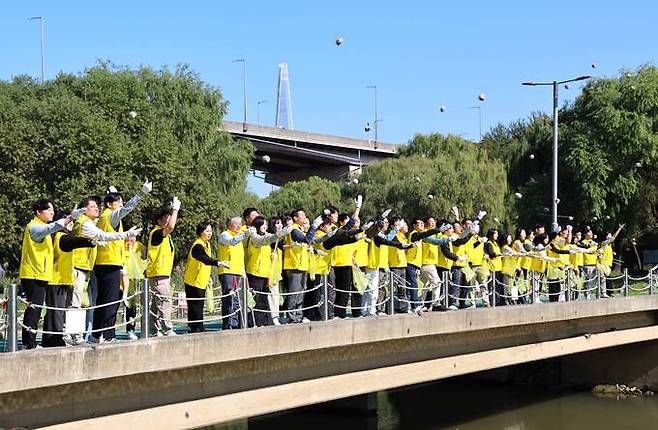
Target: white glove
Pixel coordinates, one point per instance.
(484, 240)
(481, 215)
(358, 201)
(223, 264)
(77, 212)
(147, 187)
(112, 189)
(316, 222)
(97, 242)
(134, 231)
(175, 203)
(461, 258)
(398, 225)
(321, 253)
(453, 237)
(569, 227)
(252, 231)
(455, 211)
(475, 228)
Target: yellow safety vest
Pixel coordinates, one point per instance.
(342, 255)
(590, 259)
(373, 255)
(443, 261)
(527, 260)
(397, 258)
(259, 260)
(295, 258)
(476, 253)
(160, 257)
(415, 253)
(509, 264)
(461, 251)
(112, 253)
(361, 253)
(607, 255)
(196, 273)
(495, 264)
(36, 258)
(564, 258)
(322, 262)
(430, 253)
(83, 258)
(62, 264)
(233, 255)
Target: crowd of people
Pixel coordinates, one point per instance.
(296, 269)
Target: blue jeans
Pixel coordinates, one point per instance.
(412, 280)
(230, 303)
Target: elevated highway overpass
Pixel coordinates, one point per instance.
(296, 155)
(194, 380)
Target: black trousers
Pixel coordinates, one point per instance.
(108, 280)
(195, 308)
(344, 282)
(313, 296)
(35, 292)
(553, 290)
(57, 296)
(261, 312)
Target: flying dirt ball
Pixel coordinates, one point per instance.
(132, 114)
(482, 97)
(339, 41)
(532, 156)
(266, 158)
(442, 109)
(518, 195)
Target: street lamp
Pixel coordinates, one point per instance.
(376, 123)
(555, 85)
(258, 110)
(43, 64)
(244, 90)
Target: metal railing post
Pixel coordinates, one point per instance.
(444, 287)
(12, 320)
(567, 283)
(650, 279)
(493, 289)
(531, 281)
(598, 283)
(244, 300)
(325, 289)
(146, 316)
(391, 288)
(626, 283)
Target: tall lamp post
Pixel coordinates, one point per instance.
(555, 85)
(244, 90)
(43, 63)
(376, 123)
(258, 110)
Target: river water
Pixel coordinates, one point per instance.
(464, 405)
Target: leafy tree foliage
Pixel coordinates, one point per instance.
(75, 136)
(434, 173)
(312, 195)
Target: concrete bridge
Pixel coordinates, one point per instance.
(194, 380)
(296, 155)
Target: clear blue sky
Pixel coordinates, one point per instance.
(420, 54)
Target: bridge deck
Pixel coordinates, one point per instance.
(73, 382)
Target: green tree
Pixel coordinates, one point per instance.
(312, 195)
(433, 174)
(76, 135)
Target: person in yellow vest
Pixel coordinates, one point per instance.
(296, 263)
(557, 249)
(231, 250)
(60, 287)
(37, 259)
(274, 298)
(397, 262)
(606, 258)
(377, 266)
(133, 252)
(109, 260)
(196, 277)
(258, 260)
(248, 215)
(494, 254)
(428, 270)
(458, 291)
(160, 255)
(84, 259)
(510, 267)
(415, 261)
(589, 262)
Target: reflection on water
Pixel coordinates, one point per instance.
(456, 404)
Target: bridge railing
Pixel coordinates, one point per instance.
(375, 292)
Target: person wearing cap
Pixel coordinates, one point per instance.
(232, 250)
(397, 262)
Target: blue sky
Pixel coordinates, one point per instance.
(420, 54)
